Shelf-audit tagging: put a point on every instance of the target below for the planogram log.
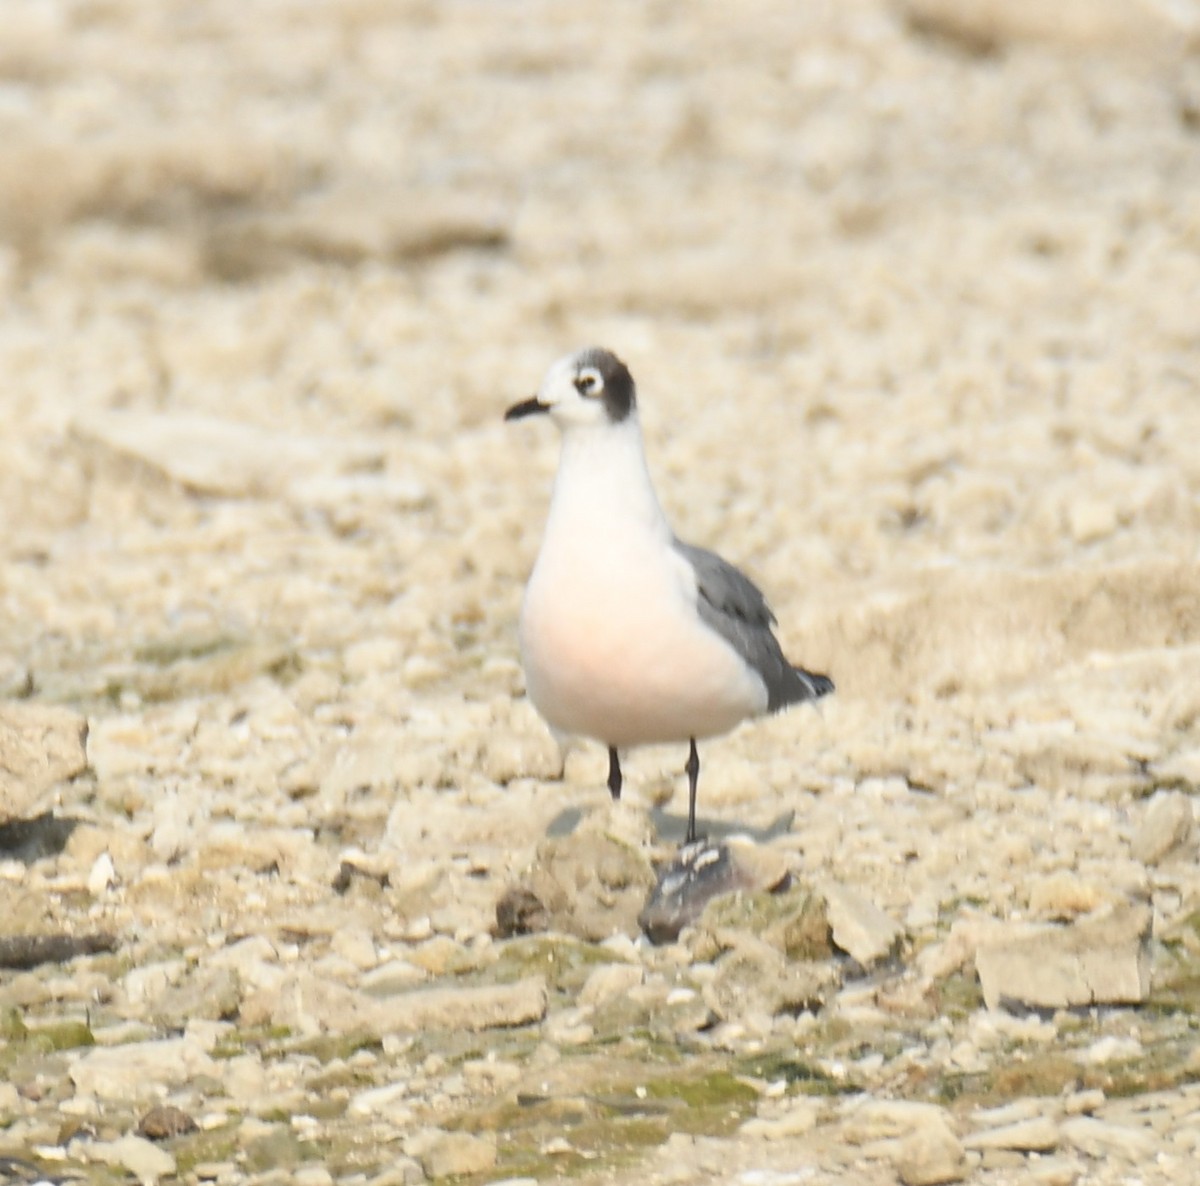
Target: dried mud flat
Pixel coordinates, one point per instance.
(911, 291)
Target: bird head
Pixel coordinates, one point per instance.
(590, 387)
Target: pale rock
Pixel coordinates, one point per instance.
(491, 1074)
(1098, 1138)
(312, 1175)
(77, 1105)
(760, 866)
(1091, 519)
(206, 994)
(1038, 1135)
(152, 980)
(417, 930)
(1167, 825)
(102, 876)
(1102, 960)
(755, 981)
(1183, 766)
(255, 959)
(371, 656)
(88, 843)
(356, 946)
(10, 1099)
(40, 745)
(174, 827)
(207, 1032)
(794, 1119)
(392, 977)
(16, 680)
(594, 882)
(1055, 1171)
(442, 1153)
(917, 1138)
(858, 926)
(610, 982)
(350, 500)
(1000, 1031)
(438, 954)
(215, 1171)
(1065, 896)
(378, 762)
(967, 935)
(208, 455)
(621, 947)
(388, 1100)
(343, 221)
(508, 755)
(232, 845)
(140, 1070)
(244, 1078)
(1082, 1103)
(314, 1005)
(871, 1120)
(1028, 1108)
(568, 1027)
(1112, 1048)
(145, 1160)
(402, 1171)
(930, 1155)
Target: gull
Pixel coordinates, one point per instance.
(629, 636)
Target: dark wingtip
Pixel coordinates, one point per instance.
(823, 684)
(815, 685)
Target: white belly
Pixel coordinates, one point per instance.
(615, 651)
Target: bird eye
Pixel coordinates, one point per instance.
(588, 382)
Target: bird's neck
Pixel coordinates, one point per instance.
(603, 477)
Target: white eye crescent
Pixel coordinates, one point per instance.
(589, 382)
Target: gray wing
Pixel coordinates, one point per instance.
(732, 604)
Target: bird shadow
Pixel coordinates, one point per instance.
(672, 828)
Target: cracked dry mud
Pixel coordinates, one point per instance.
(910, 290)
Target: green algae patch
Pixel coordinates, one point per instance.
(326, 1048)
(22, 1040)
(170, 669)
(215, 1144)
(959, 995)
(165, 652)
(565, 962)
(803, 1077)
(609, 1113)
(1176, 985)
(718, 1089)
(265, 1040)
(62, 1035)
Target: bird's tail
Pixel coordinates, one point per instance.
(807, 685)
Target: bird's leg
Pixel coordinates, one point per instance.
(693, 773)
(614, 772)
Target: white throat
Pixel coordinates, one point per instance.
(603, 480)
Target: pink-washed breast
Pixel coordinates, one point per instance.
(613, 650)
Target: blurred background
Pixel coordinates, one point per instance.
(906, 285)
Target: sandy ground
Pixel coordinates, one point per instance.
(911, 292)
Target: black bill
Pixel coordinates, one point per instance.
(528, 407)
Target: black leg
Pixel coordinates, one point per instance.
(614, 772)
(693, 773)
